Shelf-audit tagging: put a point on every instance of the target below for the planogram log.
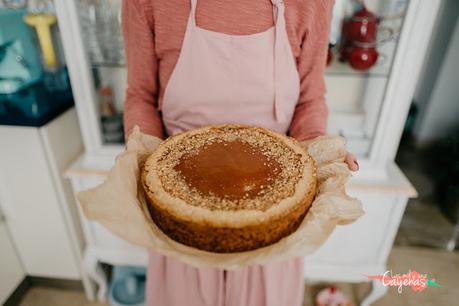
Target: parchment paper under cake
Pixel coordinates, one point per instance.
(121, 205)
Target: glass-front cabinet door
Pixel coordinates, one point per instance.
(100, 22)
(364, 39)
(93, 41)
(370, 57)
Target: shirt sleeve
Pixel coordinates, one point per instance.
(311, 112)
(142, 67)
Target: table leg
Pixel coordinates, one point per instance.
(451, 246)
(96, 274)
(89, 286)
(378, 290)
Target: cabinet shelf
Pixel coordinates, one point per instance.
(108, 65)
(338, 68)
(382, 68)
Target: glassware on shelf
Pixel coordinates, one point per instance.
(87, 12)
(107, 109)
(13, 3)
(111, 120)
(41, 6)
(109, 32)
(100, 21)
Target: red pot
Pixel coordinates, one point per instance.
(363, 26)
(362, 58)
(360, 39)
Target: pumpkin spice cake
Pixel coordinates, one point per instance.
(229, 188)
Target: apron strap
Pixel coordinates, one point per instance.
(276, 8)
(281, 41)
(193, 12)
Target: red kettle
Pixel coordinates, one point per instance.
(360, 33)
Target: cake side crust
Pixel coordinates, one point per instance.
(227, 239)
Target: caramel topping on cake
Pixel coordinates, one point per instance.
(228, 169)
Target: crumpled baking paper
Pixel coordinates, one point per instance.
(119, 204)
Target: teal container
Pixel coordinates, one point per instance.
(127, 286)
(29, 95)
(20, 62)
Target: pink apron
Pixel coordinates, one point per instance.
(220, 78)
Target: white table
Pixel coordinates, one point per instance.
(351, 252)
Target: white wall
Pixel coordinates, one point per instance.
(437, 95)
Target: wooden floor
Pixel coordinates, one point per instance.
(442, 265)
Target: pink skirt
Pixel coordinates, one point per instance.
(173, 283)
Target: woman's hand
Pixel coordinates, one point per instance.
(351, 161)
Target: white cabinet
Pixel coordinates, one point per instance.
(351, 252)
(11, 271)
(37, 202)
(368, 108)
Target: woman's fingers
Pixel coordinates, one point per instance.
(352, 163)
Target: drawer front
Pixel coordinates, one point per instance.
(29, 194)
(96, 234)
(368, 240)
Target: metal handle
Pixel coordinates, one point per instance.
(5, 210)
(2, 215)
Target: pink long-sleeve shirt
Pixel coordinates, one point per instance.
(154, 32)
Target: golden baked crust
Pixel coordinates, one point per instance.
(228, 230)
